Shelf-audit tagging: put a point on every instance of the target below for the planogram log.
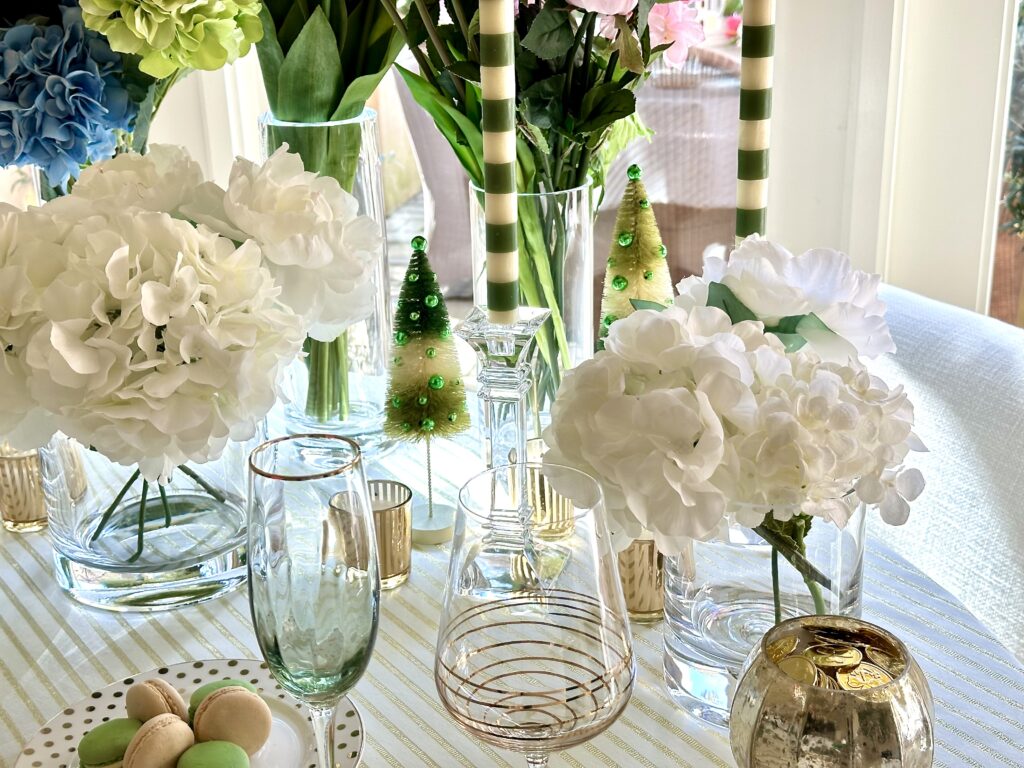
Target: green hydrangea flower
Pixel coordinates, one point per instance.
(177, 34)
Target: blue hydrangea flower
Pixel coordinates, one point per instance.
(62, 97)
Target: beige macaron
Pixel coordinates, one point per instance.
(234, 714)
(159, 743)
(149, 698)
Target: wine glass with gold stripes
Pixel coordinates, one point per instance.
(534, 652)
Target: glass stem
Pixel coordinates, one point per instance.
(323, 729)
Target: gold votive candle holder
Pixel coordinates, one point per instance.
(643, 581)
(392, 519)
(22, 504)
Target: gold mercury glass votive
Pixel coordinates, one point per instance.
(643, 580)
(553, 513)
(22, 505)
(392, 519)
(831, 692)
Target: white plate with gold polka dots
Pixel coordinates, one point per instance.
(290, 745)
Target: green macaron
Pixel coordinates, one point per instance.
(214, 754)
(203, 691)
(105, 744)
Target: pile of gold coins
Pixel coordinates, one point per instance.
(837, 659)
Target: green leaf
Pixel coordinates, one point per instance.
(271, 57)
(719, 295)
(644, 304)
(361, 88)
(414, 25)
(603, 105)
(465, 70)
(537, 137)
(289, 30)
(542, 102)
(278, 9)
(550, 35)
(643, 11)
(791, 341)
(630, 56)
(309, 85)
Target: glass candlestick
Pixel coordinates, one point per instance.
(505, 379)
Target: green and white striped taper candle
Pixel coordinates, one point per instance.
(755, 116)
(498, 92)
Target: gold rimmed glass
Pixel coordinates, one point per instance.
(314, 586)
(534, 652)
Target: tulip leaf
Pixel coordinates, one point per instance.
(289, 30)
(270, 55)
(309, 82)
(645, 304)
(550, 35)
(719, 295)
(361, 88)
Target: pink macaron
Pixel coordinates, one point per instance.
(159, 743)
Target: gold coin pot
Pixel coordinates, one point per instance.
(778, 721)
(392, 519)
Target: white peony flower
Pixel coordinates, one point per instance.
(773, 284)
(158, 341)
(320, 250)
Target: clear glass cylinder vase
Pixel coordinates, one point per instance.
(340, 385)
(124, 547)
(556, 271)
(722, 595)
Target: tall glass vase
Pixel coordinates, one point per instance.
(721, 596)
(340, 385)
(556, 272)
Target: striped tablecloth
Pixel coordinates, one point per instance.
(53, 653)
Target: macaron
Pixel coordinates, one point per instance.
(159, 743)
(214, 754)
(104, 746)
(203, 691)
(234, 714)
(149, 698)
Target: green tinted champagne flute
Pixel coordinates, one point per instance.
(314, 587)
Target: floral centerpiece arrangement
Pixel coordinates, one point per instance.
(148, 313)
(745, 402)
(578, 65)
(82, 79)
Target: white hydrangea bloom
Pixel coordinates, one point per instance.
(320, 250)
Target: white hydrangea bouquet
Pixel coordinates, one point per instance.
(149, 313)
(747, 402)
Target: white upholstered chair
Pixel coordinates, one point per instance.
(965, 375)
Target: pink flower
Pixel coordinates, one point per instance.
(732, 25)
(608, 7)
(675, 23)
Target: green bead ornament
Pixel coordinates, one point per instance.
(396, 402)
(406, 426)
(431, 352)
(401, 338)
(412, 277)
(427, 425)
(419, 243)
(645, 203)
(436, 382)
(422, 399)
(619, 283)
(609, 319)
(446, 333)
(396, 360)
(453, 417)
(663, 250)
(648, 275)
(414, 316)
(431, 301)
(611, 262)
(634, 172)
(625, 239)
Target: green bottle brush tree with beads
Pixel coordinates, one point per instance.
(637, 274)
(426, 396)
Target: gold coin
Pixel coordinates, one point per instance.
(863, 677)
(779, 649)
(887, 661)
(824, 681)
(834, 656)
(800, 669)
